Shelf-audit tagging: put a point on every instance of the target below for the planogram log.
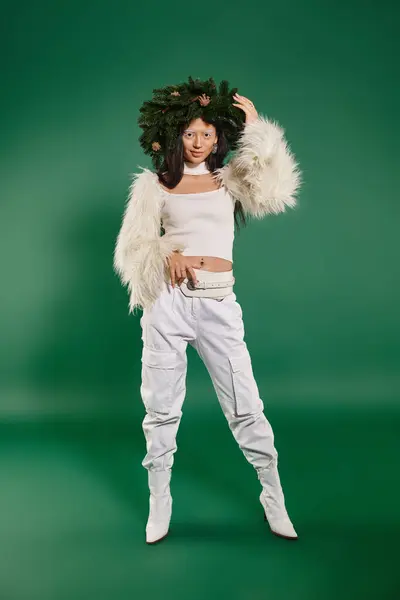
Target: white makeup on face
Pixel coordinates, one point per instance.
(208, 133)
(198, 142)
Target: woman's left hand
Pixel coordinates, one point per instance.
(247, 106)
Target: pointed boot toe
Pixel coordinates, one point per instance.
(160, 506)
(282, 527)
(155, 532)
(273, 502)
(157, 527)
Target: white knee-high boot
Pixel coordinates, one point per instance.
(273, 502)
(160, 505)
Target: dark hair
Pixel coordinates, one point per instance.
(170, 172)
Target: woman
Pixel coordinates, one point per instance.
(174, 252)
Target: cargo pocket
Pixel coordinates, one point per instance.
(247, 397)
(158, 375)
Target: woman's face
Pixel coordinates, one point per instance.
(198, 140)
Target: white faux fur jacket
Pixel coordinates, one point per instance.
(263, 176)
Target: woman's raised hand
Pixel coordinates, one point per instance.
(246, 106)
(181, 266)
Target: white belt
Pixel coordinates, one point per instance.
(202, 285)
(210, 284)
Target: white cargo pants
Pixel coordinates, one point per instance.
(215, 329)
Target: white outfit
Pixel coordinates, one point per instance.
(213, 326)
(203, 222)
(264, 178)
(215, 329)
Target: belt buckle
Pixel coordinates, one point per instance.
(199, 286)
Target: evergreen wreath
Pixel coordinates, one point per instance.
(176, 105)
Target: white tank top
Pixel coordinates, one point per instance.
(202, 221)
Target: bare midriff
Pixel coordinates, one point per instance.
(214, 263)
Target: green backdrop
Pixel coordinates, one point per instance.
(318, 285)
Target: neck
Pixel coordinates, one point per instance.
(195, 169)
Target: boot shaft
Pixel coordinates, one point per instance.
(159, 482)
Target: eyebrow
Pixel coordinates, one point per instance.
(206, 130)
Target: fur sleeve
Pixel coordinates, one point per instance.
(140, 251)
(263, 173)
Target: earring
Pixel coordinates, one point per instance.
(215, 148)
